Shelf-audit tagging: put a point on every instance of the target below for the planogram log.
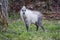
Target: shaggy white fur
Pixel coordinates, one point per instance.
(32, 16)
(29, 16)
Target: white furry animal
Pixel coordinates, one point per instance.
(29, 16)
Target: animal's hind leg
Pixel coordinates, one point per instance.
(41, 25)
(36, 26)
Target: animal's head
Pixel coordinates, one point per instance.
(23, 9)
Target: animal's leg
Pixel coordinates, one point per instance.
(41, 24)
(27, 25)
(42, 27)
(36, 26)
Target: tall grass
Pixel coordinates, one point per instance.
(17, 31)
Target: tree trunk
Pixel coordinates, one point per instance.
(5, 8)
(3, 14)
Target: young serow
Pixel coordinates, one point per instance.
(29, 16)
(3, 21)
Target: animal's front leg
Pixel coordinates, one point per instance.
(27, 25)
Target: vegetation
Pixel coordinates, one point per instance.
(17, 31)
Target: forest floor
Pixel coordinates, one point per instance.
(17, 31)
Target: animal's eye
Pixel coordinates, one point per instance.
(23, 10)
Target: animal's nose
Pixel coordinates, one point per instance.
(23, 13)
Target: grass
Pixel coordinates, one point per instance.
(17, 31)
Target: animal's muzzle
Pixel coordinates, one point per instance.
(23, 13)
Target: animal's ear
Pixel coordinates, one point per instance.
(23, 7)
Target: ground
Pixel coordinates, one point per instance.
(17, 31)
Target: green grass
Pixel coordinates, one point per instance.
(17, 31)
